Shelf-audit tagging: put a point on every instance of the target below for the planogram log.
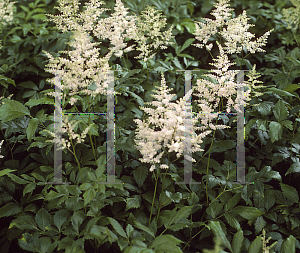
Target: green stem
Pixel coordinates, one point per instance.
(154, 196)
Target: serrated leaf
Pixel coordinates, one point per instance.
(144, 228)
(12, 109)
(176, 216)
(31, 128)
(117, 227)
(295, 167)
(10, 209)
(5, 172)
(134, 202)
(237, 241)
(60, 217)
(17, 179)
(42, 219)
(259, 224)
(214, 209)
(221, 146)
(290, 192)
(39, 101)
(269, 199)
(264, 108)
(280, 111)
(287, 123)
(89, 195)
(282, 93)
(140, 174)
(169, 240)
(29, 188)
(275, 131)
(289, 246)
(232, 202)
(77, 218)
(256, 245)
(247, 212)
(218, 231)
(232, 221)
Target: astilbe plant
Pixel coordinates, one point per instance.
(87, 65)
(6, 14)
(149, 142)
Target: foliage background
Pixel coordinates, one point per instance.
(84, 217)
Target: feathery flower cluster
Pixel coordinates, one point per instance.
(224, 86)
(235, 35)
(86, 66)
(6, 14)
(167, 117)
(85, 60)
(69, 127)
(291, 15)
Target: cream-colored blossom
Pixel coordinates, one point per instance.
(235, 34)
(6, 14)
(150, 142)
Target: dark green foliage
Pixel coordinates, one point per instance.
(85, 216)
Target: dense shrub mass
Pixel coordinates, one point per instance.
(126, 117)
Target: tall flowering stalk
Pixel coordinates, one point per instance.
(171, 136)
(87, 66)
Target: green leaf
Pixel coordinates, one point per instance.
(295, 167)
(218, 231)
(29, 188)
(237, 242)
(290, 192)
(24, 221)
(232, 221)
(264, 108)
(269, 199)
(10, 209)
(89, 195)
(279, 92)
(31, 128)
(247, 212)
(174, 216)
(186, 44)
(5, 172)
(129, 230)
(256, 245)
(275, 130)
(140, 174)
(289, 246)
(7, 80)
(60, 217)
(280, 111)
(77, 218)
(232, 202)
(144, 228)
(39, 101)
(292, 87)
(259, 224)
(287, 123)
(12, 109)
(17, 179)
(166, 243)
(214, 209)
(117, 227)
(221, 146)
(134, 202)
(42, 219)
